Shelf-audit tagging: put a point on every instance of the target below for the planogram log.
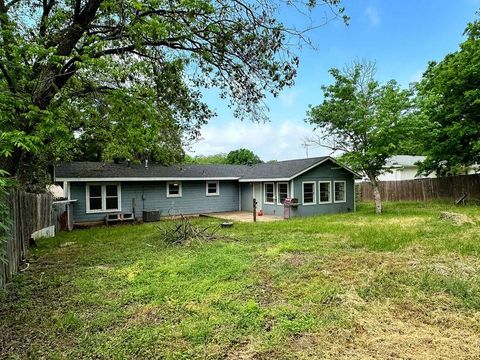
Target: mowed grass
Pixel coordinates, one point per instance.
(346, 286)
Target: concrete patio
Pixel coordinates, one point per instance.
(242, 216)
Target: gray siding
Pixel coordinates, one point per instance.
(247, 196)
(152, 195)
(327, 171)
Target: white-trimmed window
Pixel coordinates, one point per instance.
(324, 192)
(340, 191)
(268, 193)
(212, 188)
(174, 189)
(103, 198)
(282, 192)
(308, 193)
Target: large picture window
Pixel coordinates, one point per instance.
(212, 188)
(324, 193)
(308, 193)
(340, 191)
(269, 193)
(282, 192)
(103, 198)
(174, 189)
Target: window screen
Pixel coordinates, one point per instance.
(339, 191)
(269, 193)
(212, 188)
(95, 197)
(309, 193)
(282, 190)
(324, 191)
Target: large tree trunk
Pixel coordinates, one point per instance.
(377, 198)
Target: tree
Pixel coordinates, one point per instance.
(449, 99)
(364, 120)
(242, 157)
(220, 158)
(103, 73)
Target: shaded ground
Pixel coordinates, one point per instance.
(404, 285)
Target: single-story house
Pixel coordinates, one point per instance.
(320, 185)
(405, 167)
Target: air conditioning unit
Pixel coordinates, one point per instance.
(151, 215)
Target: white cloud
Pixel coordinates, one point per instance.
(281, 140)
(287, 98)
(373, 15)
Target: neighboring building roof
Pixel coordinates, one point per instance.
(56, 190)
(281, 170)
(404, 161)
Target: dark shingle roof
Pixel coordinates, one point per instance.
(280, 169)
(112, 170)
(274, 170)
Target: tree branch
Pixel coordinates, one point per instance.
(11, 84)
(47, 7)
(10, 4)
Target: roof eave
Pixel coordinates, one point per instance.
(264, 179)
(106, 179)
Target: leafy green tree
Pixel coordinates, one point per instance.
(101, 74)
(449, 98)
(242, 157)
(364, 120)
(207, 159)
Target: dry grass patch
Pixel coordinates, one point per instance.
(388, 331)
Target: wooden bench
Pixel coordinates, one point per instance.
(119, 217)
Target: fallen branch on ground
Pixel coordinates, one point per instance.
(183, 231)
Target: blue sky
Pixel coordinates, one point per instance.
(401, 36)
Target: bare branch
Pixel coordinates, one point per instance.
(10, 4)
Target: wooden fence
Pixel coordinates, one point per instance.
(451, 187)
(28, 213)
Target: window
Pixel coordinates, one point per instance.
(339, 187)
(95, 198)
(308, 193)
(282, 192)
(324, 188)
(103, 197)
(212, 188)
(111, 197)
(174, 189)
(269, 193)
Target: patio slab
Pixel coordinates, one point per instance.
(242, 216)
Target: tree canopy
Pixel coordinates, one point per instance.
(220, 158)
(103, 78)
(364, 120)
(242, 157)
(449, 100)
(234, 157)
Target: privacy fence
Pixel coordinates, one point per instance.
(28, 213)
(447, 188)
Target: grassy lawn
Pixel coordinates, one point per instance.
(402, 285)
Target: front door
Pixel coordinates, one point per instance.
(258, 194)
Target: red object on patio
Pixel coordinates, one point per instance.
(260, 212)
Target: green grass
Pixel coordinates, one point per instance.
(404, 284)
